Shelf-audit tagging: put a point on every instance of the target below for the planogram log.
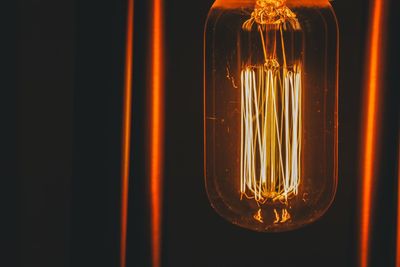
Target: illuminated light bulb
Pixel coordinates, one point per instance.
(271, 72)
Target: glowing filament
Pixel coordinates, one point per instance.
(270, 133)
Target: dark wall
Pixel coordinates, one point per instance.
(64, 135)
(43, 113)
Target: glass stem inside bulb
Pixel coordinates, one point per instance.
(271, 123)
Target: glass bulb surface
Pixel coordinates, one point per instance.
(271, 72)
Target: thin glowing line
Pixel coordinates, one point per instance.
(126, 131)
(156, 129)
(260, 134)
(373, 86)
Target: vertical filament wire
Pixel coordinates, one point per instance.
(270, 133)
(271, 117)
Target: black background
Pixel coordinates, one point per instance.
(61, 121)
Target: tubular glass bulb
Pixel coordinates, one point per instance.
(271, 72)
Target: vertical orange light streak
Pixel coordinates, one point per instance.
(126, 131)
(371, 126)
(156, 128)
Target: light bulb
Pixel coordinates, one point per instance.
(271, 77)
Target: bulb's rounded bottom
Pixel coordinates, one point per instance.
(271, 217)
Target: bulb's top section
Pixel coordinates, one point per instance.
(272, 12)
(290, 3)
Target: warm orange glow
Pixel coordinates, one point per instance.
(126, 131)
(156, 128)
(371, 124)
(398, 209)
(290, 3)
(270, 132)
(276, 154)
